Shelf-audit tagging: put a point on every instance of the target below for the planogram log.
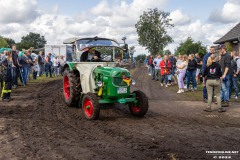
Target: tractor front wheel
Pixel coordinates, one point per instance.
(141, 108)
(90, 106)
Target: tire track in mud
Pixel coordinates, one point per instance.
(68, 121)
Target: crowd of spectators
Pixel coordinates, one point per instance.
(218, 73)
(17, 66)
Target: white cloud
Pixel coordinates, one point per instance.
(207, 33)
(228, 14)
(102, 9)
(18, 11)
(113, 20)
(178, 18)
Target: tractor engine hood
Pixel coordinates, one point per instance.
(112, 72)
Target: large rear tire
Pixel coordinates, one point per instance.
(141, 108)
(90, 106)
(71, 88)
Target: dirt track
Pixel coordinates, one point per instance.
(38, 125)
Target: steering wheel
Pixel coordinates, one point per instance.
(96, 60)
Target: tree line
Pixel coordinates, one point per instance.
(32, 39)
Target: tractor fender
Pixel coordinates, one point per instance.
(69, 65)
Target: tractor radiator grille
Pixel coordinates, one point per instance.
(118, 81)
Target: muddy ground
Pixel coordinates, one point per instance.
(38, 125)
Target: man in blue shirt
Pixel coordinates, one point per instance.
(205, 58)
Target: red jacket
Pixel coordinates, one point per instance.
(165, 68)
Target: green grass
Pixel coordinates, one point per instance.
(190, 95)
(42, 79)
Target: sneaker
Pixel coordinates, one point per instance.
(6, 100)
(182, 91)
(161, 84)
(166, 86)
(179, 91)
(236, 98)
(207, 109)
(14, 86)
(221, 110)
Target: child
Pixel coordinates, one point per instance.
(35, 69)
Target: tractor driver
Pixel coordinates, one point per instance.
(90, 55)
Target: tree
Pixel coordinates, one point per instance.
(34, 40)
(189, 47)
(164, 52)
(9, 41)
(3, 42)
(152, 30)
(141, 56)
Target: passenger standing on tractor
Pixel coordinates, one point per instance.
(213, 74)
(165, 66)
(7, 64)
(90, 55)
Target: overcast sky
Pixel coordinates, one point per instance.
(57, 20)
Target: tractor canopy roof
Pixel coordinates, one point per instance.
(83, 43)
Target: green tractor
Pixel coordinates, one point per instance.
(92, 84)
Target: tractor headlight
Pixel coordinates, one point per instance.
(133, 82)
(99, 84)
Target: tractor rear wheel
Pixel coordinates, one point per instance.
(141, 108)
(90, 106)
(71, 88)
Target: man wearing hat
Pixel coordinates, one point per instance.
(90, 55)
(225, 62)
